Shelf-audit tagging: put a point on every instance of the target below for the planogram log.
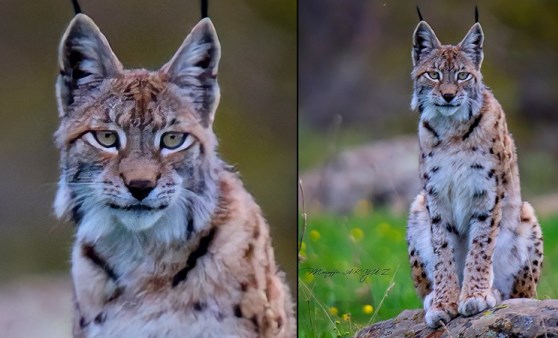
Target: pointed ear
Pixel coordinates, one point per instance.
(472, 44)
(193, 69)
(85, 60)
(424, 41)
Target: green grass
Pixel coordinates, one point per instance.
(335, 301)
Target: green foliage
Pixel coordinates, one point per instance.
(337, 301)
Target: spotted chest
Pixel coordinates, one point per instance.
(466, 166)
(459, 178)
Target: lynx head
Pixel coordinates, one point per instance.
(447, 78)
(137, 147)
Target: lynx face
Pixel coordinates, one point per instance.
(137, 147)
(447, 79)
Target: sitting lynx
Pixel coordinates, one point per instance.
(472, 241)
(168, 243)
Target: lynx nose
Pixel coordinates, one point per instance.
(448, 97)
(140, 188)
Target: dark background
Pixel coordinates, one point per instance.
(255, 123)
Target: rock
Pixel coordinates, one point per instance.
(513, 318)
(384, 173)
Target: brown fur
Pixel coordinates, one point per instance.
(168, 241)
(470, 235)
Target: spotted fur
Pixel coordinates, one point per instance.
(168, 242)
(472, 240)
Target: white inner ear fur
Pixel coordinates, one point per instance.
(195, 78)
(96, 59)
(201, 39)
(424, 40)
(472, 44)
(84, 36)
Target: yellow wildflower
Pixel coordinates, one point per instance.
(368, 309)
(357, 234)
(315, 235)
(333, 311)
(308, 277)
(346, 316)
(302, 252)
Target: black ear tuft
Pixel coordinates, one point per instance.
(419, 14)
(77, 8)
(476, 14)
(85, 60)
(204, 8)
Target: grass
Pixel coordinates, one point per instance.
(354, 271)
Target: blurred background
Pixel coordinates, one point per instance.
(358, 150)
(256, 126)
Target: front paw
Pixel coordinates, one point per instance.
(427, 303)
(440, 313)
(472, 305)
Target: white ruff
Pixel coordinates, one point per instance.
(160, 226)
(432, 112)
(138, 220)
(163, 225)
(127, 245)
(448, 110)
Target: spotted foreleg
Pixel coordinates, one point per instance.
(446, 286)
(476, 292)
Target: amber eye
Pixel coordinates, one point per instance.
(433, 75)
(106, 138)
(462, 76)
(172, 140)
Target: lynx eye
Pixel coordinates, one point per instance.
(462, 76)
(106, 138)
(173, 140)
(433, 75)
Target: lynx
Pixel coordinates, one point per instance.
(168, 242)
(472, 241)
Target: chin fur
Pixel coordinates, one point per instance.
(458, 113)
(447, 110)
(159, 227)
(138, 220)
(104, 224)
